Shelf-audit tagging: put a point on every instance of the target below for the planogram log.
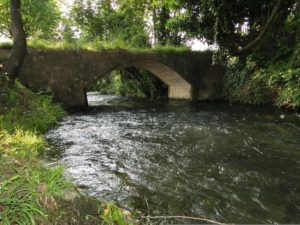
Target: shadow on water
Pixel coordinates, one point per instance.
(237, 164)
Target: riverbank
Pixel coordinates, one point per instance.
(29, 192)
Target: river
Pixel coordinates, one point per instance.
(230, 163)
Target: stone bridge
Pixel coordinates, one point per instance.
(188, 75)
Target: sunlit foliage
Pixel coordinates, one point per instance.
(40, 18)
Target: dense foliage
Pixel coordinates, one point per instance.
(233, 24)
(271, 72)
(40, 18)
(99, 21)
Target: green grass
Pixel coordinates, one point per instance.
(96, 46)
(17, 204)
(22, 145)
(28, 192)
(23, 109)
(170, 48)
(24, 182)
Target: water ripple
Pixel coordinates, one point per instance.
(235, 164)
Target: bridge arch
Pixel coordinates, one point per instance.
(178, 88)
(68, 72)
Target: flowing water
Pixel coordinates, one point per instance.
(229, 163)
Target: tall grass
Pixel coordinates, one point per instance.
(17, 204)
(29, 192)
(23, 109)
(27, 189)
(170, 48)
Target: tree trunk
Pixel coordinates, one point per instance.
(14, 63)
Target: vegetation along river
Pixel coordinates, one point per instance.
(224, 162)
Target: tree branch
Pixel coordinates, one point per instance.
(262, 33)
(184, 217)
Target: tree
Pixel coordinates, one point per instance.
(167, 23)
(104, 20)
(95, 19)
(14, 63)
(40, 18)
(236, 26)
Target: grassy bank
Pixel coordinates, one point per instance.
(29, 192)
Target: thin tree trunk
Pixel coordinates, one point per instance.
(14, 63)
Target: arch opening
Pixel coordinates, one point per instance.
(140, 78)
(126, 81)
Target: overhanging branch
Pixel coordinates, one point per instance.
(262, 33)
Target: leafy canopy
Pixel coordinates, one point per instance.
(40, 18)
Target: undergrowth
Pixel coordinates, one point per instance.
(24, 109)
(275, 83)
(271, 73)
(24, 117)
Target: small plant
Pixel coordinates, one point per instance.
(113, 215)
